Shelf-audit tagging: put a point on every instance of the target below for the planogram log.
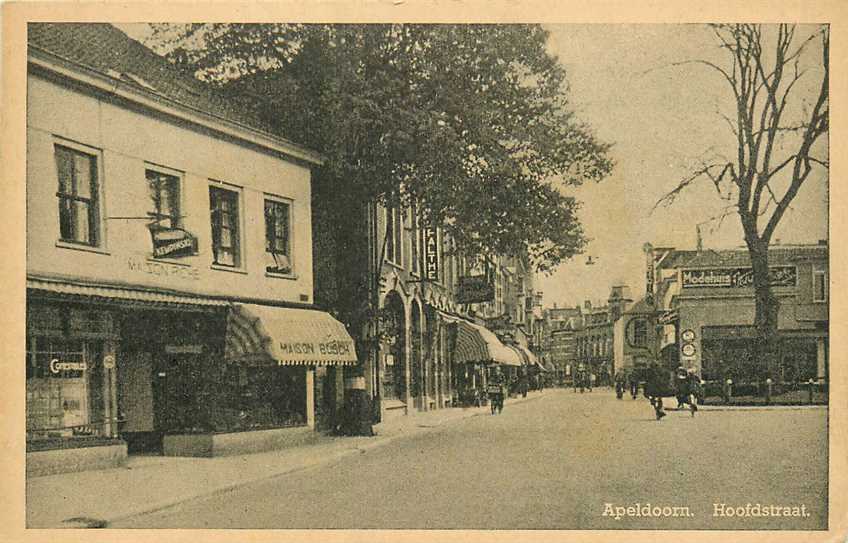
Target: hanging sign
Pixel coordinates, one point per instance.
(172, 242)
(475, 289)
(431, 254)
(649, 273)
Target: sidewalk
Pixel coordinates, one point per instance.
(151, 483)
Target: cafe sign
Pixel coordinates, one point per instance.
(172, 242)
(779, 276)
(474, 289)
(431, 254)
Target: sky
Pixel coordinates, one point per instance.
(661, 119)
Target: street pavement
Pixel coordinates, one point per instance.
(562, 461)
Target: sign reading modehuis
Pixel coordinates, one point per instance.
(779, 276)
(172, 242)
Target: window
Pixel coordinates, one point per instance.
(277, 237)
(394, 242)
(415, 245)
(819, 286)
(79, 220)
(223, 206)
(165, 195)
(638, 336)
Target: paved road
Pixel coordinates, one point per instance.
(551, 463)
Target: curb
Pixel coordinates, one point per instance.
(760, 407)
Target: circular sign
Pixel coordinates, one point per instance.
(687, 335)
(109, 361)
(689, 350)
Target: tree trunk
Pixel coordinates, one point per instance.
(765, 317)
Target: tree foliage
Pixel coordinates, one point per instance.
(471, 122)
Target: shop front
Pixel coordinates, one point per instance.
(112, 372)
(262, 393)
(100, 379)
(476, 352)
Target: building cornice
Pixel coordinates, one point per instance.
(93, 79)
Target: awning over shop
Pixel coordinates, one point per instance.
(528, 357)
(475, 343)
(129, 295)
(286, 336)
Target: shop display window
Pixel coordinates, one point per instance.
(63, 398)
(254, 397)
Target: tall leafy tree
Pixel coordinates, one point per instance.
(470, 121)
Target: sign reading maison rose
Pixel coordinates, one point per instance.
(780, 276)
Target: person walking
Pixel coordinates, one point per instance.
(656, 385)
(633, 383)
(497, 390)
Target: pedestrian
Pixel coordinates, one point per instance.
(656, 385)
(619, 384)
(633, 383)
(497, 390)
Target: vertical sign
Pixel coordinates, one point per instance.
(431, 254)
(649, 273)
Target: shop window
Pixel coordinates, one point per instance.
(819, 286)
(277, 237)
(79, 220)
(257, 397)
(164, 190)
(224, 210)
(60, 398)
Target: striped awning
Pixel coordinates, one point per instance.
(475, 343)
(528, 357)
(286, 336)
(124, 294)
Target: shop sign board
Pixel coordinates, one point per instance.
(475, 289)
(172, 242)
(431, 254)
(779, 276)
(649, 273)
(184, 349)
(57, 365)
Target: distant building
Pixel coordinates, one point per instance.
(705, 312)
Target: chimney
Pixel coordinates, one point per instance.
(555, 305)
(587, 304)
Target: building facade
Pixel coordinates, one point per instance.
(169, 259)
(705, 303)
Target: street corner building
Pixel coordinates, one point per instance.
(169, 265)
(698, 313)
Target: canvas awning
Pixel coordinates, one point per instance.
(286, 336)
(475, 343)
(125, 295)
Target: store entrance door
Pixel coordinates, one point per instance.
(136, 403)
